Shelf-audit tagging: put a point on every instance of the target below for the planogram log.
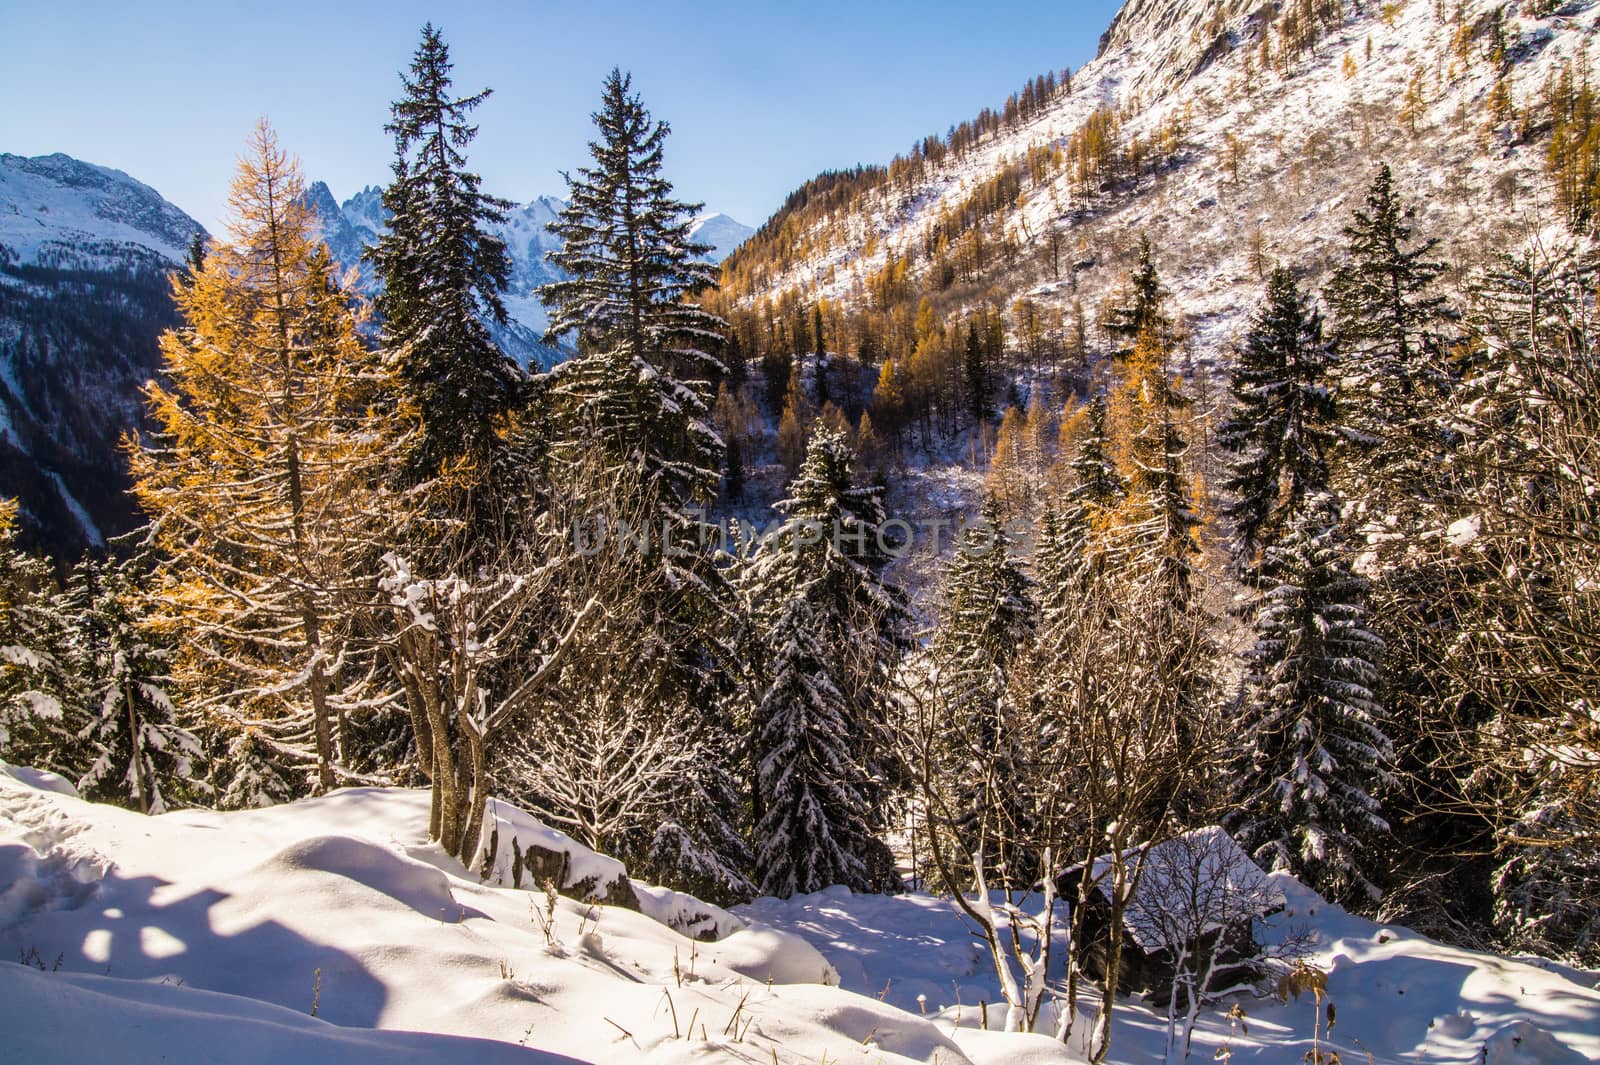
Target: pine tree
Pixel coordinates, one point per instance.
(1065, 561)
(988, 616)
(636, 403)
(1098, 484)
(1142, 312)
(1318, 752)
(140, 754)
(1390, 336)
(640, 388)
(264, 473)
(1397, 474)
(1281, 426)
(835, 628)
(813, 826)
(442, 272)
(37, 728)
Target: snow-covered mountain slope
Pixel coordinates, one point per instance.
(1250, 156)
(330, 930)
(353, 226)
(723, 233)
(84, 256)
(57, 208)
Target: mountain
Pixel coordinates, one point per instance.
(1233, 133)
(85, 253)
(353, 226)
(723, 233)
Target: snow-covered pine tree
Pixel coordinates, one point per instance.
(265, 475)
(833, 628)
(1392, 344)
(140, 755)
(1098, 483)
(813, 826)
(36, 695)
(636, 401)
(988, 616)
(1142, 309)
(442, 272)
(1063, 560)
(1281, 426)
(1306, 789)
(1397, 476)
(640, 387)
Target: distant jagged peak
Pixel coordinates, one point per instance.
(721, 231)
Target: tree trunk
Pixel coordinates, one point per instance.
(133, 744)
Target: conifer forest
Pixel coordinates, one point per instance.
(1113, 583)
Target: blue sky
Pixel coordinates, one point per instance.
(760, 96)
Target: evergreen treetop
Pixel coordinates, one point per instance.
(442, 271)
(1281, 426)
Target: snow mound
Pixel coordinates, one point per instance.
(40, 779)
(685, 913)
(148, 1023)
(774, 957)
(332, 930)
(414, 884)
(1523, 1043)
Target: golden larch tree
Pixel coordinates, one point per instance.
(264, 475)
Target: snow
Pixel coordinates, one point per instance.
(1462, 533)
(91, 531)
(214, 937)
(208, 937)
(723, 233)
(53, 202)
(1400, 996)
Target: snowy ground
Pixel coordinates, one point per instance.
(331, 931)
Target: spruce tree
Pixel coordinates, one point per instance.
(988, 616)
(1391, 324)
(834, 628)
(813, 828)
(1318, 753)
(138, 752)
(1067, 560)
(640, 388)
(1142, 311)
(1397, 473)
(1157, 522)
(442, 272)
(1098, 484)
(635, 404)
(1281, 427)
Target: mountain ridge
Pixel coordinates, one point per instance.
(1184, 121)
